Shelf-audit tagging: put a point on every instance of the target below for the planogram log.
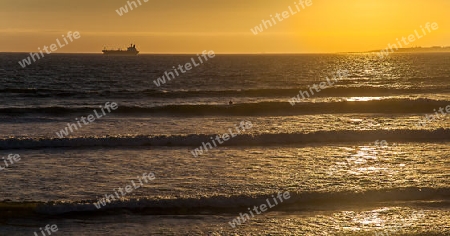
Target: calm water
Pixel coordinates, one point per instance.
(323, 150)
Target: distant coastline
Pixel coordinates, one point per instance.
(421, 49)
(413, 50)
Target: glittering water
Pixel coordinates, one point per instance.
(323, 150)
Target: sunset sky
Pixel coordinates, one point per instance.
(175, 26)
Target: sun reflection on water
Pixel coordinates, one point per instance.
(362, 99)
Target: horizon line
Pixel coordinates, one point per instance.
(244, 53)
(232, 53)
(190, 53)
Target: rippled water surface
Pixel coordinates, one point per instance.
(353, 157)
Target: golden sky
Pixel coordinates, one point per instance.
(191, 26)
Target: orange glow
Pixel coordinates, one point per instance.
(175, 26)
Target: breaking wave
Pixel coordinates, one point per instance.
(195, 140)
(227, 204)
(252, 109)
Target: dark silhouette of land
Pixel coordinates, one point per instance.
(420, 49)
(411, 50)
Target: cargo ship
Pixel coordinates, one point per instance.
(131, 51)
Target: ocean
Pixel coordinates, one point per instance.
(207, 151)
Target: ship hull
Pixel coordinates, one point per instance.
(119, 53)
